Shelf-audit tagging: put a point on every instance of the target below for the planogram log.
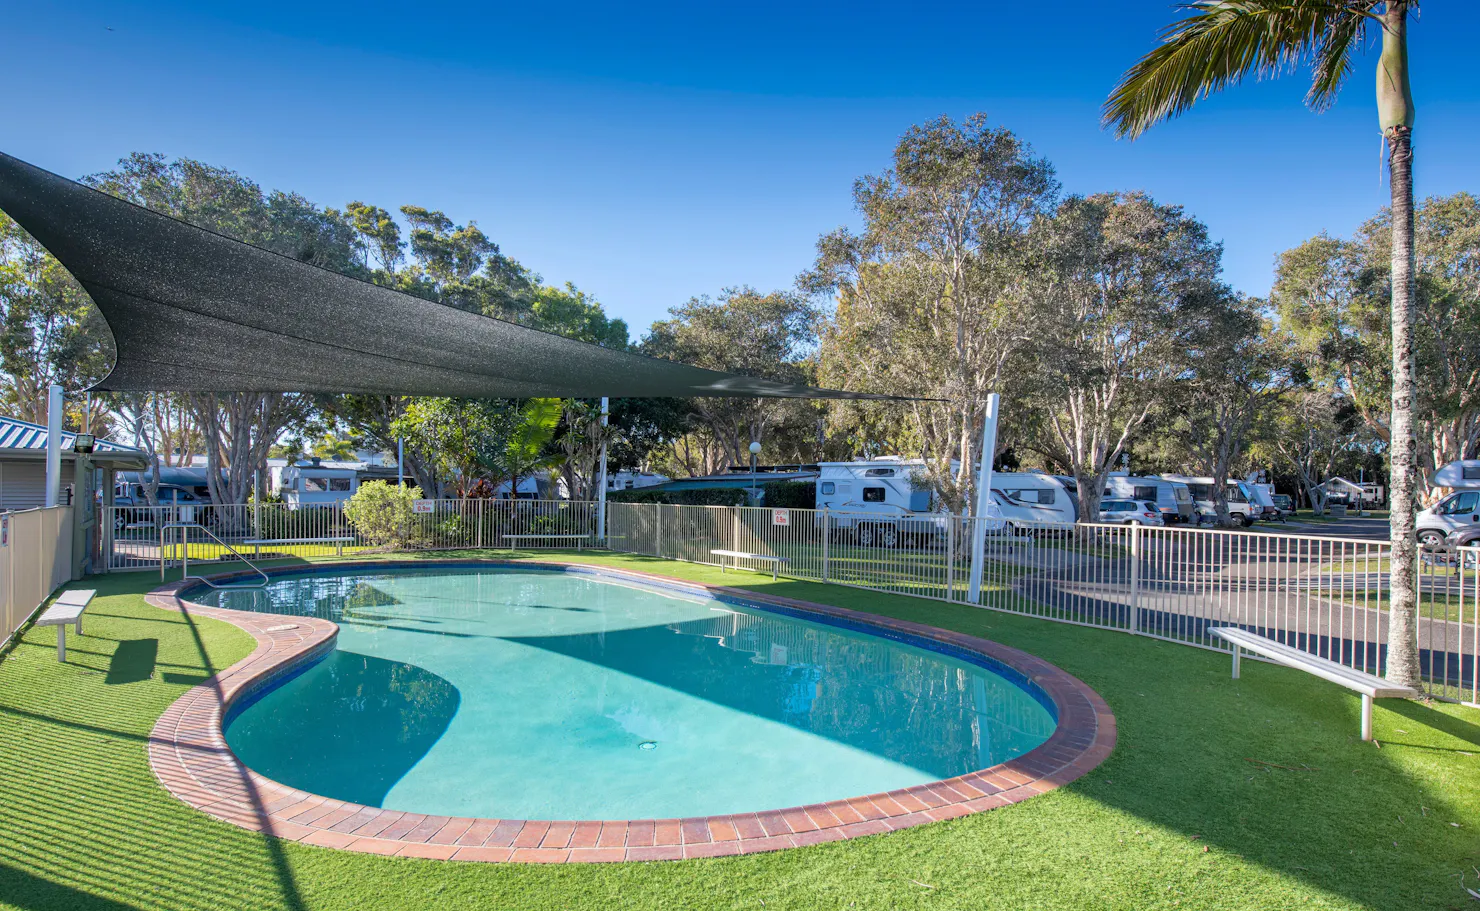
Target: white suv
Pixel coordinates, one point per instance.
(1456, 511)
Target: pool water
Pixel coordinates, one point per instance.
(540, 694)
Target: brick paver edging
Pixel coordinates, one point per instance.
(189, 756)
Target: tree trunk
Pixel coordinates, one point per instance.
(1395, 108)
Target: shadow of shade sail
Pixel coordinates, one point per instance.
(370, 722)
(192, 310)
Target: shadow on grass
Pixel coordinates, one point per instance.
(24, 890)
(132, 661)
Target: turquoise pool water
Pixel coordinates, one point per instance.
(538, 694)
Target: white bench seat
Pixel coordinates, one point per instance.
(66, 611)
(738, 555)
(1369, 686)
(579, 539)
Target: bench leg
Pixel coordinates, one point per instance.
(1366, 717)
(62, 642)
(775, 571)
(1236, 651)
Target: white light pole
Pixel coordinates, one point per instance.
(983, 497)
(400, 462)
(755, 449)
(601, 488)
(54, 445)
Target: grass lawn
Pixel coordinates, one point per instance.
(1180, 816)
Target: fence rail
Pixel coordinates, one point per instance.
(1325, 595)
(35, 559)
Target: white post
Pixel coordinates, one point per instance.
(400, 462)
(1135, 604)
(601, 487)
(54, 445)
(983, 497)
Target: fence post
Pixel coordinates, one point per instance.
(658, 534)
(1135, 605)
(950, 557)
(826, 544)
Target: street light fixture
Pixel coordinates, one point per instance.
(755, 448)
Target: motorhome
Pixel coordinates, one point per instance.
(1173, 499)
(1459, 509)
(1242, 508)
(882, 501)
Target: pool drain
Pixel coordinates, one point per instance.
(648, 745)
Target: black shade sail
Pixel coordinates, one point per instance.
(194, 311)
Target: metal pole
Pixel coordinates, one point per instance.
(601, 488)
(983, 497)
(53, 445)
(1135, 579)
(826, 542)
(400, 462)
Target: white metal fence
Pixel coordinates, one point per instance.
(1328, 596)
(35, 558)
(138, 537)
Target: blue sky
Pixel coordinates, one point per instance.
(652, 152)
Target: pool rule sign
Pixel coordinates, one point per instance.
(780, 517)
(423, 505)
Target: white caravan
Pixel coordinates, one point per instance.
(1460, 509)
(1033, 500)
(877, 501)
(1173, 499)
(1241, 507)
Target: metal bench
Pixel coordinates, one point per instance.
(1369, 686)
(739, 555)
(66, 611)
(337, 542)
(579, 539)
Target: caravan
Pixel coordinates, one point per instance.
(879, 501)
(1243, 509)
(1032, 500)
(1173, 499)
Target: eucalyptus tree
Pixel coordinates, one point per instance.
(930, 294)
(50, 332)
(746, 332)
(1120, 286)
(1220, 43)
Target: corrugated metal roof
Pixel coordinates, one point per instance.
(16, 434)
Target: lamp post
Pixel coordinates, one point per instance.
(755, 448)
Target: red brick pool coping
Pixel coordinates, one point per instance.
(189, 756)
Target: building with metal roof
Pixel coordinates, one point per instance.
(23, 462)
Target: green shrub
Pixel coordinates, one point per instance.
(790, 494)
(382, 514)
(703, 496)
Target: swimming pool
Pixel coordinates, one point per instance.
(542, 693)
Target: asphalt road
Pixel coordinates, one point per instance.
(1366, 529)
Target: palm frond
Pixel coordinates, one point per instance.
(1224, 41)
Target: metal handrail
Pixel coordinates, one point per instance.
(184, 528)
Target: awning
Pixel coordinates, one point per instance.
(194, 311)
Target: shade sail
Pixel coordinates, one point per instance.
(194, 311)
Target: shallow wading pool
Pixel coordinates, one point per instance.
(541, 693)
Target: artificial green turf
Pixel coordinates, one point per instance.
(1177, 817)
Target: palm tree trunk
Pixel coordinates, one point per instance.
(1395, 110)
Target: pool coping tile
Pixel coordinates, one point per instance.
(190, 758)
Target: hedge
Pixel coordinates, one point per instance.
(702, 496)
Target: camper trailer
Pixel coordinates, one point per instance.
(1242, 508)
(1034, 500)
(1173, 499)
(1459, 509)
(879, 501)
(314, 484)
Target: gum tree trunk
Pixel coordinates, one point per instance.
(1395, 108)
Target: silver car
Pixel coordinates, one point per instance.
(1130, 512)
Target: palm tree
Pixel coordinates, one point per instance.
(1220, 43)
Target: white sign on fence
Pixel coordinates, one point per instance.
(423, 505)
(780, 517)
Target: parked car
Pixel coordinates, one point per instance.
(1284, 503)
(1464, 537)
(1173, 499)
(1130, 512)
(131, 507)
(1457, 512)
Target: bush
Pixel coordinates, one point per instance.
(790, 494)
(382, 514)
(703, 496)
